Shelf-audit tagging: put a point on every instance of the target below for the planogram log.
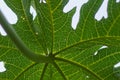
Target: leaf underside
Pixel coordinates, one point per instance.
(73, 49)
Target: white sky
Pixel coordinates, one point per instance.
(101, 13)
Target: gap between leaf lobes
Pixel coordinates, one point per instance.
(2, 67)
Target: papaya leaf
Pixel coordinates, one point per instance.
(57, 50)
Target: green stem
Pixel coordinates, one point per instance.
(59, 70)
(43, 72)
(19, 43)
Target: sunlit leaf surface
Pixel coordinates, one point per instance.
(74, 50)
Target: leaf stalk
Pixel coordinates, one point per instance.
(19, 43)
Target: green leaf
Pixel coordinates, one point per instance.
(69, 53)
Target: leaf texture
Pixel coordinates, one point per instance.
(73, 50)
